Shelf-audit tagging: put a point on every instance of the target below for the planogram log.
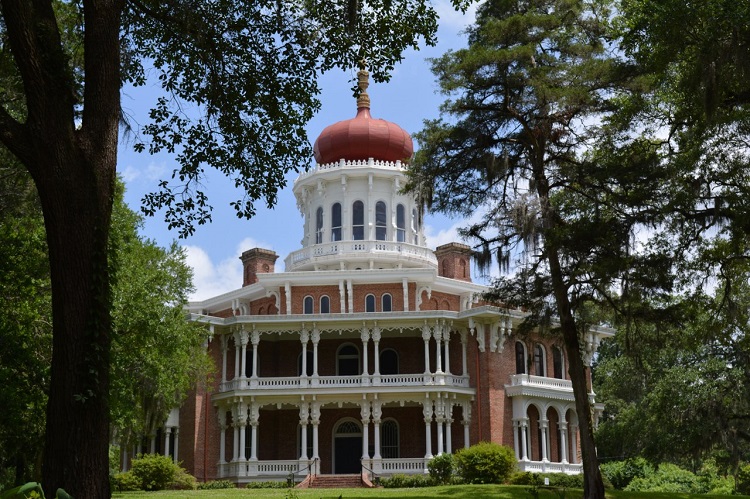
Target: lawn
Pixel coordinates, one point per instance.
(452, 492)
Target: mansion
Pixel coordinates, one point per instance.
(369, 350)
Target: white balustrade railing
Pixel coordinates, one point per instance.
(342, 249)
(404, 465)
(541, 381)
(385, 380)
(550, 467)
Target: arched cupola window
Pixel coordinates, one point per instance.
(319, 225)
(539, 360)
(381, 230)
(325, 305)
(520, 358)
(386, 302)
(370, 303)
(307, 305)
(400, 223)
(358, 221)
(336, 222)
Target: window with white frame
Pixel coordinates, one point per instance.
(307, 303)
(381, 230)
(358, 221)
(319, 225)
(400, 223)
(336, 222)
(389, 439)
(370, 303)
(386, 302)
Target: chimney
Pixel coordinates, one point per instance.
(454, 261)
(257, 261)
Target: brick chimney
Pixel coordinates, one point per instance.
(257, 261)
(454, 261)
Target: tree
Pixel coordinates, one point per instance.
(248, 68)
(523, 153)
(157, 355)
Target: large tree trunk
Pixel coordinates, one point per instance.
(593, 486)
(72, 160)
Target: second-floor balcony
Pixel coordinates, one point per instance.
(265, 384)
(539, 386)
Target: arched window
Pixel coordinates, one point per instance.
(370, 303)
(358, 221)
(336, 222)
(400, 223)
(309, 363)
(385, 303)
(347, 360)
(325, 305)
(539, 360)
(388, 361)
(307, 305)
(520, 358)
(380, 221)
(319, 225)
(558, 362)
(389, 441)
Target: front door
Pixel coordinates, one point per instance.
(347, 449)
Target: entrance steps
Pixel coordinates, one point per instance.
(336, 482)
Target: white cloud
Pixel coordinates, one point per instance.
(443, 235)
(452, 19)
(211, 279)
(153, 171)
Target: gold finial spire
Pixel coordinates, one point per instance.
(363, 100)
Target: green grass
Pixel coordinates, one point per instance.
(451, 491)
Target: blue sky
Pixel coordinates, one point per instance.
(409, 98)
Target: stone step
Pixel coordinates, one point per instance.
(336, 482)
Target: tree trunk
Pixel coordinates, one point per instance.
(72, 160)
(593, 486)
(77, 217)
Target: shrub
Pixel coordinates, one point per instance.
(485, 462)
(126, 482)
(216, 484)
(621, 473)
(668, 478)
(267, 485)
(184, 480)
(154, 471)
(401, 481)
(743, 479)
(441, 468)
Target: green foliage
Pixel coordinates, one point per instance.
(216, 484)
(485, 462)
(400, 481)
(621, 473)
(31, 490)
(267, 485)
(126, 481)
(668, 478)
(743, 479)
(158, 472)
(441, 468)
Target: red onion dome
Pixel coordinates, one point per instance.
(363, 137)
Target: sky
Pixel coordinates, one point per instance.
(213, 251)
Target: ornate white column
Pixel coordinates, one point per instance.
(516, 438)
(254, 422)
(438, 335)
(315, 341)
(315, 420)
(376, 341)
(524, 439)
(365, 415)
(426, 337)
(153, 443)
(440, 421)
(255, 337)
(427, 412)
(288, 293)
(405, 286)
(543, 427)
(167, 433)
(350, 294)
(466, 409)
(303, 418)
(242, 421)
(236, 434)
(377, 413)
(237, 349)
(244, 338)
(563, 427)
(342, 295)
